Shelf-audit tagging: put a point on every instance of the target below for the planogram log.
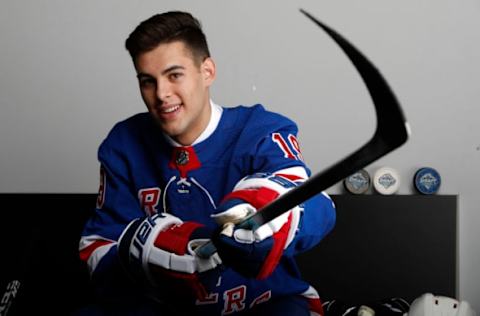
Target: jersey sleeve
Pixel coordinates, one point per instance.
(278, 151)
(116, 206)
(317, 220)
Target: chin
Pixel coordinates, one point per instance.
(172, 132)
(168, 128)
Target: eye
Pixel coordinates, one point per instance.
(175, 76)
(147, 82)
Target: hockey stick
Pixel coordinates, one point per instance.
(17, 271)
(8, 296)
(392, 131)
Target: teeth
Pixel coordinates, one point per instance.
(171, 109)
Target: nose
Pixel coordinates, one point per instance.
(164, 90)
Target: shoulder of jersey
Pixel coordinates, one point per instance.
(256, 120)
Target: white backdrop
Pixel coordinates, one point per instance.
(65, 79)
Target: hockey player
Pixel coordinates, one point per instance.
(180, 175)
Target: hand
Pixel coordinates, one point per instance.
(255, 252)
(160, 248)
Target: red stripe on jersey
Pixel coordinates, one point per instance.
(87, 252)
(290, 177)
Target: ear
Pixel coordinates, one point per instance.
(208, 70)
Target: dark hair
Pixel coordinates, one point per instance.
(166, 28)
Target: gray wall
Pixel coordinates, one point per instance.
(65, 79)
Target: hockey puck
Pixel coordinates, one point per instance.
(427, 180)
(386, 181)
(357, 183)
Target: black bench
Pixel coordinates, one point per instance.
(382, 246)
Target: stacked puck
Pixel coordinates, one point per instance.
(357, 183)
(427, 180)
(386, 180)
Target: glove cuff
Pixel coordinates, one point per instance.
(176, 237)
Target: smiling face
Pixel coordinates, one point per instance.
(175, 88)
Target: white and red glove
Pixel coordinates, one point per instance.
(255, 252)
(161, 248)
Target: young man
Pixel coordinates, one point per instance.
(183, 174)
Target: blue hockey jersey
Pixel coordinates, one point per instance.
(144, 172)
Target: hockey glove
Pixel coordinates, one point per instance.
(160, 249)
(255, 252)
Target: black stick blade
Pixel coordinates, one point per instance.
(391, 132)
(392, 125)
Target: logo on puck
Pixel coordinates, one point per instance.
(357, 183)
(427, 180)
(386, 180)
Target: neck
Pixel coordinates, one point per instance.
(214, 116)
(190, 138)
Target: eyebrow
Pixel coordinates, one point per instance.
(164, 72)
(172, 68)
(142, 76)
